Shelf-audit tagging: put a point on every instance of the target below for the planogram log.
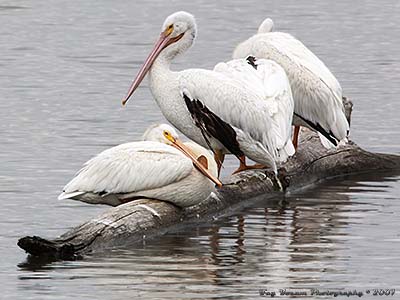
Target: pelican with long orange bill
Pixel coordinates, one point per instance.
(160, 167)
(164, 41)
(243, 107)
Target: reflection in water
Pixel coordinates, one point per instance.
(303, 240)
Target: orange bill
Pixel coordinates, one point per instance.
(186, 150)
(164, 41)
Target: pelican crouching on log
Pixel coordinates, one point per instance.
(160, 167)
(217, 109)
(316, 92)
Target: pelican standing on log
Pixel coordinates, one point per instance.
(215, 108)
(316, 92)
(160, 167)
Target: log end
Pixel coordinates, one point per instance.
(37, 246)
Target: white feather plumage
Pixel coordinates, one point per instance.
(272, 95)
(317, 93)
(117, 170)
(250, 110)
(147, 169)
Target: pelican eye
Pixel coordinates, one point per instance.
(169, 29)
(168, 136)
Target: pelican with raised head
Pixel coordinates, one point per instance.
(243, 107)
(160, 167)
(316, 92)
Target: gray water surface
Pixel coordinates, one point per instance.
(64, 67)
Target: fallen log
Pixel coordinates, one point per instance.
(145, 218)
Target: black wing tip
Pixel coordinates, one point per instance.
(328, 135)
(251, 60)
(211, 125)
(187, 101)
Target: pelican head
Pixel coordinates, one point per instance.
(164, 133)
(177, 35)
(180, 26)
(266, 26)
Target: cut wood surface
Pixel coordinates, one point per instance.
(142, 219)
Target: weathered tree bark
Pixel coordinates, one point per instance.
(134, 221)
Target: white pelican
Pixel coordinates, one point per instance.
(147, 169)
(216, 108)
(316, 92)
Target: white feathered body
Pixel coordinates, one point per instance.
(268, 84)
(316, 92)
(257, 104)
(141, 169)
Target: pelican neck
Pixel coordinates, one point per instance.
(161, 65)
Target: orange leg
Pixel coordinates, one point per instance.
(219, 157)
(243, 166)
(296, 136)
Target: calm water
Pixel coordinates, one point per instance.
(65, 66)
